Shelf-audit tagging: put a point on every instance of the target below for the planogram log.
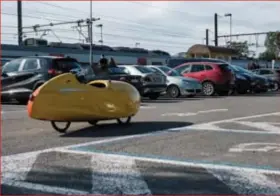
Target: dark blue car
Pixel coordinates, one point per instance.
(257, 83)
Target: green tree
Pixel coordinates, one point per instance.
(241, 47)
(270, 44)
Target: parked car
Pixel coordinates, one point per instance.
(115, 73)
(177, 85)
(214, 77)
(174, 62)
(272, 74)
(21, 76)
(258, 82)
(153, 85)
(243, 82)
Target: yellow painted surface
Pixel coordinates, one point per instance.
(63, 98)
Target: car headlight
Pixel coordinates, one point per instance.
(186, 82)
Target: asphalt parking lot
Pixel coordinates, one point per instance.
(218, 145)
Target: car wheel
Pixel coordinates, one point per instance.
(122, 121)
(154, 96)
(275, 86)
(208, 88)
(173, 91)
(58, 129)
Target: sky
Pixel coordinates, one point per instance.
(170, 26)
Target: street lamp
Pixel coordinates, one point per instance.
(230, 18)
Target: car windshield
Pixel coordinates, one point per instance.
(144, 69)
(234, 68)
(88, 70)
(241, 69)
(169, 71)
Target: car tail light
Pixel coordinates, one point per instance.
(52, 72)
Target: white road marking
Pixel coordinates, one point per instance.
(194, 113)
(44, 188)
(147, 107)
(214, 110)
(11, 112)
(114, 176)
(256, 147)
(173, 162)
(245, 118)
(17, 167)
(246, 182)
(260, 125)
(204, 126)
(162, 132)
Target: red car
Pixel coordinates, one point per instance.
(215, 77)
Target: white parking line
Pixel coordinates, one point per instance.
(260, 125)
(194, 164)
(245, 118)
(44, 188)
(194, 113)
(244, 181)
(13, 111)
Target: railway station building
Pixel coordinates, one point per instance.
(206, 51)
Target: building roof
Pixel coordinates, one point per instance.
(204, 49)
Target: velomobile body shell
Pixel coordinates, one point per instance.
(64, 98)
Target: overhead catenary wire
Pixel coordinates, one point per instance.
(143, 27)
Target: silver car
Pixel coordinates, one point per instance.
(177, 85)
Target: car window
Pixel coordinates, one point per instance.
(126, 70)
(224, 67)
(197, 68)
(117, 70)
(156, 70)
(183, 68)
(66, 65)
(30, 64)
(143, 69)
(12, 66)
(208, 67)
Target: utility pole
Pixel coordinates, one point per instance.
(216, 28)
(230, 24)
(19, 16)
(207, 37)
(90, 36)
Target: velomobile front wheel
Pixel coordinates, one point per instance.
(124, 121)
(60, 130)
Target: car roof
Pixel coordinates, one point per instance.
(202, 62)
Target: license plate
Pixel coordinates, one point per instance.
(134, 80)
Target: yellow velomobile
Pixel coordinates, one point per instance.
(65, 99)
